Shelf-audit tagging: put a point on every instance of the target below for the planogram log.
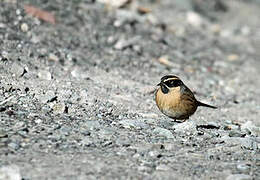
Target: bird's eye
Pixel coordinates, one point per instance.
(173, 83)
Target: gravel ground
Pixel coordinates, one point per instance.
(77, 97)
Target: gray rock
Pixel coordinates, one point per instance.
(106, 133)
(187, 126)
(154, 154)
(91, 125)
(122, 43)
(65, 130)
(246, 142)
(14, 146)
(44, 75)
(236, 134)
(24, 27)
(59, 108)
(163, 132)
(132, 123)
(239, 177)
(243, 167)
(17, 69)
(162, 167)
(86, 141)
(249, 126)
(46, 96)
(11, 172)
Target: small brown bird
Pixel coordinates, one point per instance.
(175, 99)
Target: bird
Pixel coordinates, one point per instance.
(175, 100)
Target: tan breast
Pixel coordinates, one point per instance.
(174, 105)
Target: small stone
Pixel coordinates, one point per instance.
(44, 75)
(86, 141)
(246, 142)
(169, 146)
(24, 27)
(163, 167)
(144, 168)
(215, 28)
(122, 43)
(17, 69)
(187, 126)
(105, 133)
(2, 25)
(243, 167)
(13, 145)
(53, 57)
(3, 134)
(65, 130)
(91, 125)
(130, 123)
(144, 10)
(249, 126)
(194, 19)
(163, 132)
(232, 57)
(239, 177)
(114, 3)
(48, 96)
(165, 61)
(10, 172)
(246, 30)
(234, 133)
(38, 121)
(154, 154)
(77, 72)
(59, 108)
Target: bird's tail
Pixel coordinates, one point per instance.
(206, 105)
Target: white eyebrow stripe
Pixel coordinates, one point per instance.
(171, 79)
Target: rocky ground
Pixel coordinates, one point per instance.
(77, 96)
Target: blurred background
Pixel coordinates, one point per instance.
(77, 83)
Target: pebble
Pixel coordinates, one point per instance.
(24, 27)
(79, 73)
(243, 167)
(3, 134)
(130, 123)
(249, 126)
(154, 154)
(53, 57)
(162, 167)
(239, 177)
(234, 133)
(86, 141)
(17, 70)
(91, 125)
(194, 19)
(106, 133)
(47, 96)
(246, 142)
(187, 126)
(233, 57)
(44, 75)
(59, 108)
(165, 61)
(10, 172)
(114, 3)
(13, 145)
(38, 121)
(215, 28)
(163, 132)
(123, 43)
(65, 130)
